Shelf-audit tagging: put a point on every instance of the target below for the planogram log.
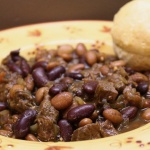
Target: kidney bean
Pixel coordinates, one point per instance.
(142, 87)
(76, 68)
(84, 122)
(129, 70)
(22, 125)
(25, 67)
(79, 92)
(90, 86)
(74, 75)
(40, 77)
(42, 64)
(80, 112)
(15, 68)
(113, 115)
(80, 49)
(146, 114)
(56, 72)
(66, 129)
(129, 112)
(3, 106)
(40, 93)
(62, 100)
(15, 55)
(65, 112)
(91, 57)
(57, 88)
(31, 137)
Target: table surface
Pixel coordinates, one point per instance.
(21, 12)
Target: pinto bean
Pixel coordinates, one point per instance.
(29, 82)
(80, 49)
(94, 115)
(65, 49)
(145, 103)
(62, 100)
(80, 112)
(146, 114)
(67, 80)
(67, 57)
(76, 68)
(40, 93)
(104, 70)
(91, 57)
(113, 115)
(84, 122)
(52, 65)
(31, 137)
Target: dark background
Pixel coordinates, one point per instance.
(22, 12)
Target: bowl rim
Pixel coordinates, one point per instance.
(36, 34)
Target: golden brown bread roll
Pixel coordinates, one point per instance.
(131, 34)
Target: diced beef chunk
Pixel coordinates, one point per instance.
(132, 96)
(47, 119)
(47, 130)
(7, 80)
(20, 99)
(87, 132)
(107, 129)
(46, 109)
(119, 81)
(105, 90)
